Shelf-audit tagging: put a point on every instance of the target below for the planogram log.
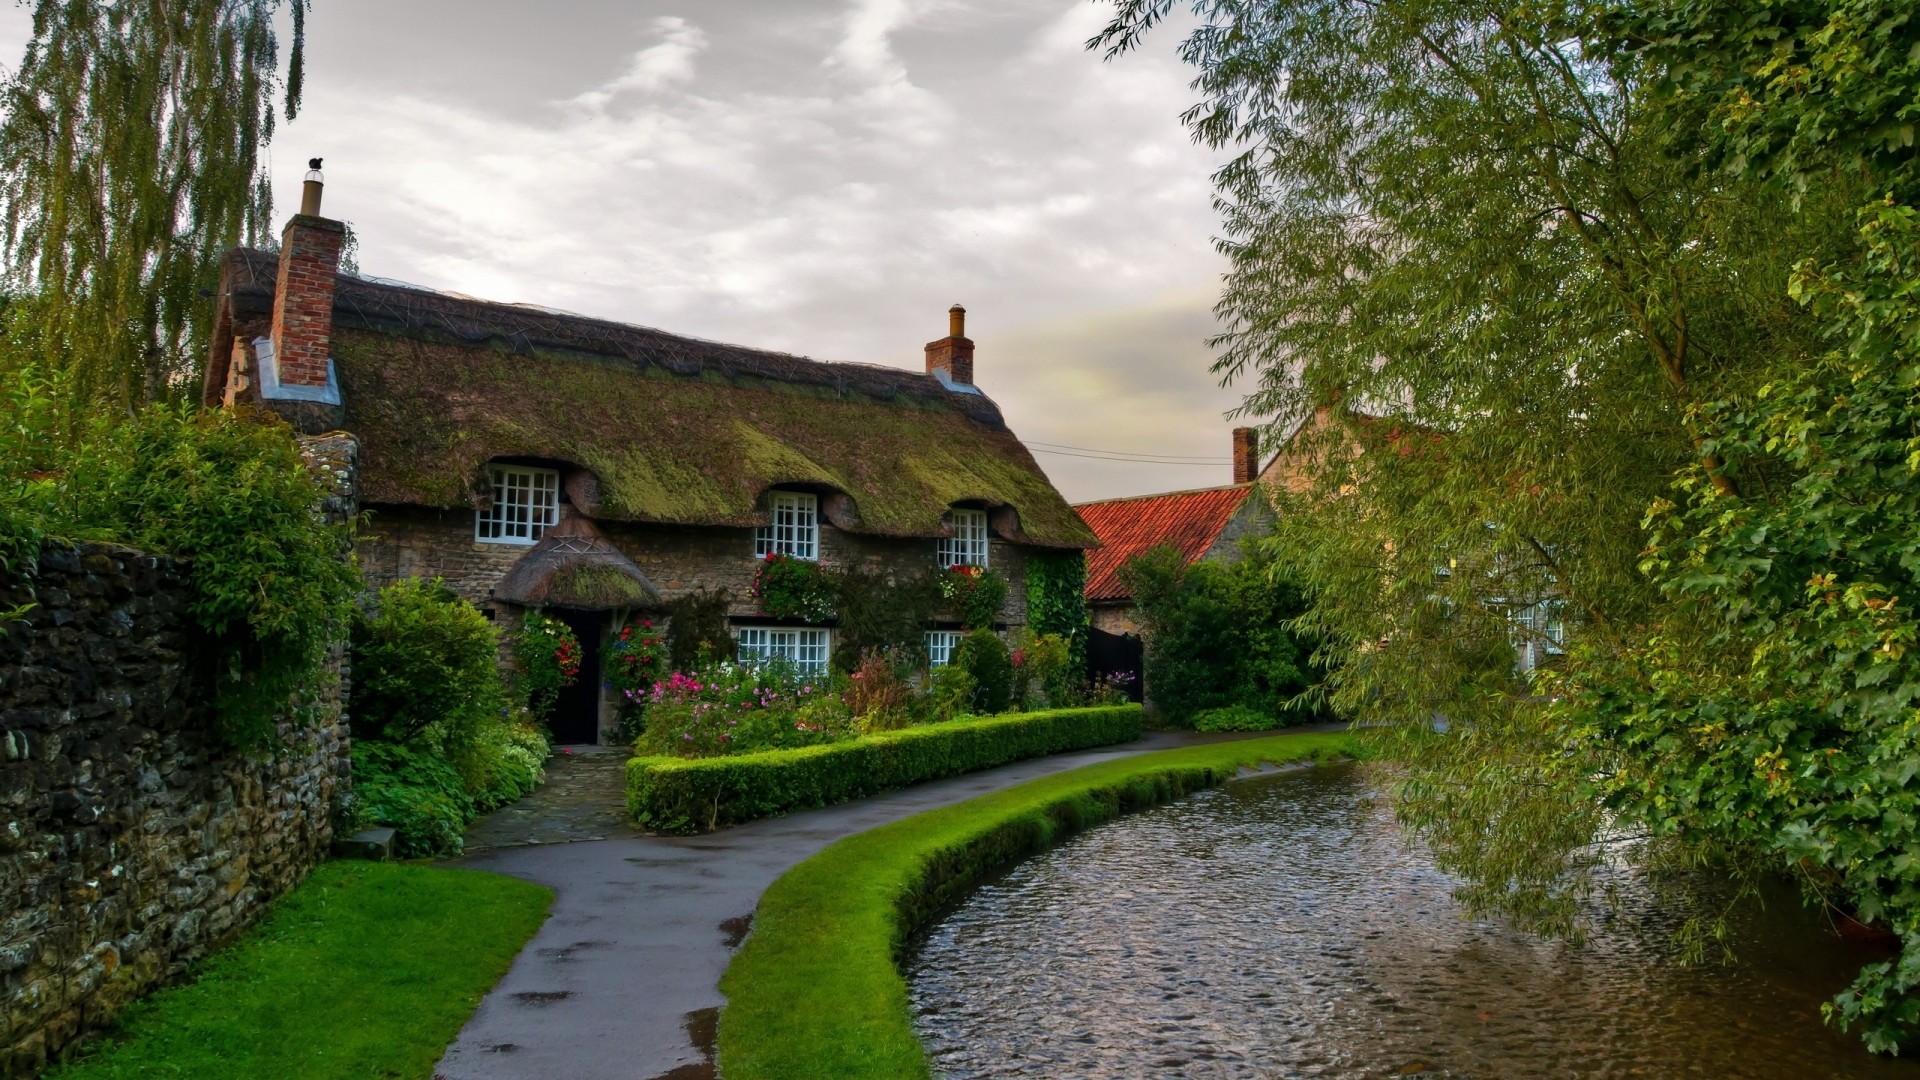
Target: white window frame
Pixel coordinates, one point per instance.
(795, 531)
(940, 646)
(968, 544)
(526, 503)
(1540, 632)
(807, 647)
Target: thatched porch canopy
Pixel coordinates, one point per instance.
(574, 567)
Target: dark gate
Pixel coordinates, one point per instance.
(1111, 653)
(575, 719)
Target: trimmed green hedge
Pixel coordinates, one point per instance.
(682, 795)
(816, 990)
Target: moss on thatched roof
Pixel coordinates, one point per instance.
(671, 429)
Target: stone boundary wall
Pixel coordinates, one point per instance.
(132, 842)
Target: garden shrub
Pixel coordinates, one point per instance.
(429, 795)
(984, 657)
(949, 692)
(1236, 718)
(425, 664)
(878, 695)
(435, 742)
(225, 492)
(414, 790)
(548, 656)
(1040, 674)
(1217, 634)
(671, 794)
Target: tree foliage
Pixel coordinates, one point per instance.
(1611, 303)
(1217, 636)
(130, 159)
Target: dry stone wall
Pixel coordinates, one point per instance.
(132, 842)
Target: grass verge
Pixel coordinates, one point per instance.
(817, 992)
(365, 970)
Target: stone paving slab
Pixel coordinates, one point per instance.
(622, 980)
(583, 798)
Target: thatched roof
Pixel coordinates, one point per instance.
(670, 429)
(573, 566)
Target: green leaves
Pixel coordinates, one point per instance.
(1612, 304)
(113, 217)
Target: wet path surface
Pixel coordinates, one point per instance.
(622, 980)
(583, 798)
(1281, 927)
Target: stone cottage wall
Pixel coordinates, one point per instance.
(401, 542)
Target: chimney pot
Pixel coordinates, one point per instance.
(1246, 455)
(951, 357)
(311, 188)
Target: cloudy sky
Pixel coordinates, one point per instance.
(818, 176)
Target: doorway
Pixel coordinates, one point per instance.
(1115, 654)
(575, 719)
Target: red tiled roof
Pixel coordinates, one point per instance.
(1189, 520)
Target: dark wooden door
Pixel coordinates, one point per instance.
(1111, 653)
(576, 712)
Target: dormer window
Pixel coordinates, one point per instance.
(526, 503)
(968, 544)
(795, 531)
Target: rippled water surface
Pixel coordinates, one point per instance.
(1281, 927)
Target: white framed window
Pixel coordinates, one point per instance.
(796, 527)
(526, 503)
(808, 648)
(968, 544)
(940, 646)
(1540, 631)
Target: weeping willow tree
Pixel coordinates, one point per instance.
(1556, 335)
(130, 158)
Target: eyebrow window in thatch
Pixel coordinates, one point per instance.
(968, 544)
(526, 503)
(795, 531)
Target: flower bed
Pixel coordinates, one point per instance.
(682, 795)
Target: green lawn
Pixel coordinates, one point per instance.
(367, 970)
(816, 991)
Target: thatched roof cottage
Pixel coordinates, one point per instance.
(534, 458)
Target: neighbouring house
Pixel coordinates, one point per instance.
(1207, 523)
(533, 458)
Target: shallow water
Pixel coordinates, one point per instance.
(1281, 927)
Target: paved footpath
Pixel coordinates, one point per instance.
(621, 981)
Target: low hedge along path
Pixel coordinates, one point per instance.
(684, 795)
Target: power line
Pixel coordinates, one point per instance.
(1197, 459)
(1128, 460)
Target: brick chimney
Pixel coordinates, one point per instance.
(950, 359)
(1246, 455)
(298, 369)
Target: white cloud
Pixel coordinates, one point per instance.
(827, 182)
(655, 67)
